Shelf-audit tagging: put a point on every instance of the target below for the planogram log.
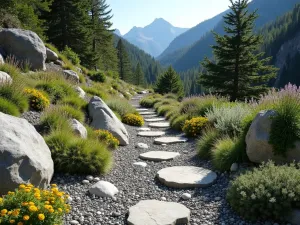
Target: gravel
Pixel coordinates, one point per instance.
(207, 205)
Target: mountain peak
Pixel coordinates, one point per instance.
(161, 21)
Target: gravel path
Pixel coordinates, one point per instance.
(207, 205)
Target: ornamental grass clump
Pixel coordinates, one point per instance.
(267, 192)
(37, 100)
(133, 120)
(194, 126)
(8, 107)
(30, 205)
(121, 106)
(107, 137)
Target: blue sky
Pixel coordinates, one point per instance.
(180, 13)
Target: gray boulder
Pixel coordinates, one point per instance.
(5, 78)
(71, 75)
(79, 128)
(103, 118)
(80, 92)
(25, 46)
(24, 155)
(51, 55)
(257, 140)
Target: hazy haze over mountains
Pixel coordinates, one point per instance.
(155, 37)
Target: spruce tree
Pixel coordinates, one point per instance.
(169, 82)
(238, 70)
(139, 75)
(124, 65)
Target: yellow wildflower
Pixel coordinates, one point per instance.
(41, 216)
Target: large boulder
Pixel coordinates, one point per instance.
(103, 118)
(71, 75)
(51, 55)
(24, 155)
(25, 46)
(5, 78)
(257, 140)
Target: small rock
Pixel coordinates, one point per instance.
(74, 222)
(186, 196)
(140, 164)
(217, 198)
(90, 178)
(96, 179)
(70, 199)
(163, 199)
(104, 189)
(85, 182)
(234, 167)
(141, 146)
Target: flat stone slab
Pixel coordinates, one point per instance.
(160, 125)
(170, 140)
(154, 212)
(151, 133)
(158, 156)
(186, 177)
(150, 116)
(147, 113)
(142, 110)
(144, 129)
(155, 119)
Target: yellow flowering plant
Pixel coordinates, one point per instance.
(107, 138)
(194, 126)
(133, 120)
(37, 100)
(30, 205)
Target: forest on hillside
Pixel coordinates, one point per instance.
(84, 27)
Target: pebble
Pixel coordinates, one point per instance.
(90, 178)
(163, 198)
(85, 182)
(186, 196)
(74, 222)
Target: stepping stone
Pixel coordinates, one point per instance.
(142, 110)
(144, 129)
(186, 177)
(135, 99)
(160, 125)
(155, 119)
(170, 140)
(150, 116)
(151, 133)
(154, 212)
(141, 146)
(147, 113)
(158, 156)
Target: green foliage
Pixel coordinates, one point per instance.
(106, 137)
(267, 192)
(11, 67)
(169, 82)
(149, 101)
(238, 71)
(32, 205)
(177, 123)
(74, 101)
(125, 71)
(37, 100)
(78, 156)
(133, 120)
(227, 151)
(164, 109)
(10, 21)
(71, 55)
(206, 143)
(97, 76)
(8, 107)
(194, 126)
(14, 93)
(121, 106)
(94, 91)
(138, 78)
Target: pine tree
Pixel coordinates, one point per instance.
(139, 75)
(238, 70)
(124, 63)
(169, 82)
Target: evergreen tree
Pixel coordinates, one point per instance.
(169, 82)
(139, 75)
(239, 71)
(124, 63)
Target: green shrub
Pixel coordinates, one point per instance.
(177, 123)
(133, 120)
(57, 90)
(121, 106)
(11, 67)
(227, 119)
(227, 151)
(95, 92)
(171, 96)
(8, 20)
(78, 156)
(194, 126)
(30, 205)
(106, 137)
(97, 76)
(206, 143)
(71, 55)
(37, 100)
(164, 109)
(8, 107)
(148, 102)
(14, 93)
(267, 192)
(74, 101)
